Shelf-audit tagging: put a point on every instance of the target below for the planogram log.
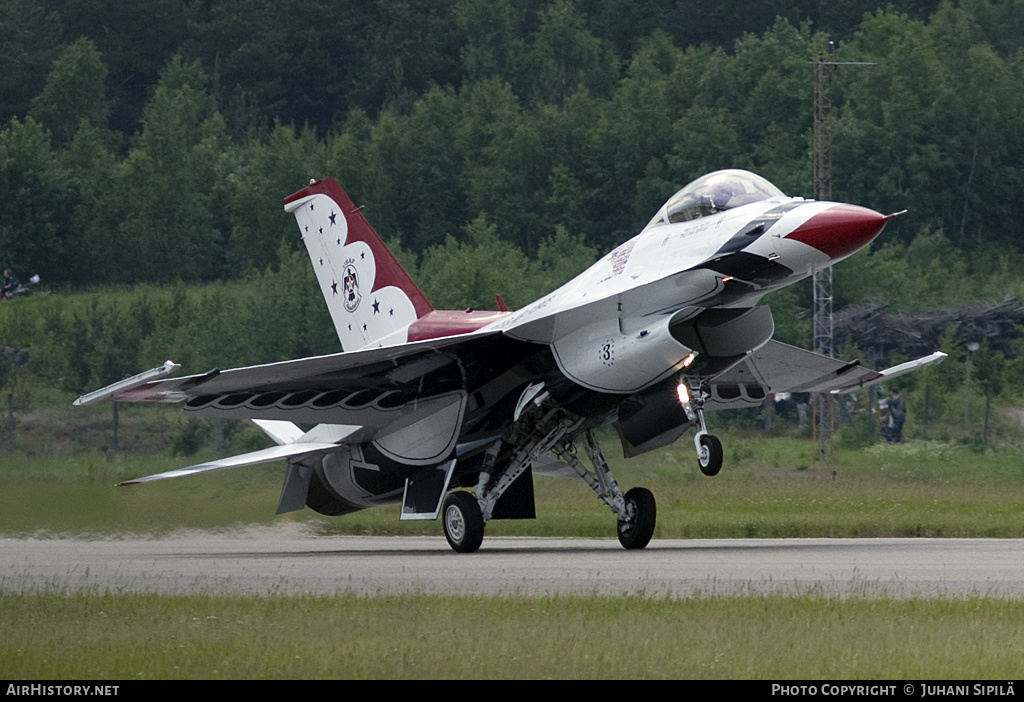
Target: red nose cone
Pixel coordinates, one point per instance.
(840, 230)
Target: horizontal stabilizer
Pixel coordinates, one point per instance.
(274, 453)
(281, 431)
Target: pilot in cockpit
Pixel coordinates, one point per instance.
(720, 196)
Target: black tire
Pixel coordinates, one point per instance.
(636, 530)
(463, 522)
(709, 458)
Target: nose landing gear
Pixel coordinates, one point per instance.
(709, 454)
(709, 448)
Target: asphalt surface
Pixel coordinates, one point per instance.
(287, 561)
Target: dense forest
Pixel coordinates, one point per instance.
(153, 142)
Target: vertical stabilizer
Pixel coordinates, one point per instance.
(371, 298)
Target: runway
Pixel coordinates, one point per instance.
(288, 561)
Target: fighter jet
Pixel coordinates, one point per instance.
(451, 413)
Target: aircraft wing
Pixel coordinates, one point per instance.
(377, 389)
(315, 372)
(778, 367)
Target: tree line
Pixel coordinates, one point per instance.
(525, 117)
(498, 147)
(311, 61)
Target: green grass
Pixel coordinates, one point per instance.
(123, 637)
(768, 488)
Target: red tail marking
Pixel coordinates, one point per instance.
(389, 270)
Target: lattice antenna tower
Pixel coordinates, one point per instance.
(822, 324)
(823, 66)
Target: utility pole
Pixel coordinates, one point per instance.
(10, 422)
(822, 330)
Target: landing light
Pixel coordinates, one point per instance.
(684, 394)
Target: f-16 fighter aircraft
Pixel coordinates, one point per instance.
(423, 402)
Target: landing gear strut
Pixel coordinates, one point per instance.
(709, 448)
(636, 509)
(464, 514)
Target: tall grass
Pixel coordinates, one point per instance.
(769, 488)
(121, 637)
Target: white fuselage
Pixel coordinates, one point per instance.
(609, 327)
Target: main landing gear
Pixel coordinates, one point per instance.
(463, 522)
(464, 514)
(636, 510)
(541, 430)
(637, 527)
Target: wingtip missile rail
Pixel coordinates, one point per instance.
(111, 392)
(894, 372)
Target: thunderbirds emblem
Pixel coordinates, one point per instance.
(352, 296)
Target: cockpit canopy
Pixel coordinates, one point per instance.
(715, 192)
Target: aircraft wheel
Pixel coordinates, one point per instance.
(709, 458)
(637, 528)
(463, 522)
